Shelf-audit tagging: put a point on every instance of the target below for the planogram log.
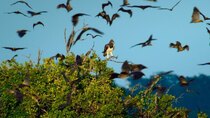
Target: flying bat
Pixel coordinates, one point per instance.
(114, 16)
(93, 36)
(146, 43)
(196, 16)
(22, 2)
(38, 23)
(106, 4)
(126, 11)
(183, 81)
(32, 13)
(143, 7)
(21, 33)
(85, 29)
(17, 12)
(66, 6)
(208, 63)
(75, 18)
(179, 46)
(13, 48)
(170, 9)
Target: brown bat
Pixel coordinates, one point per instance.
(22, 33)
(106, 4)
(179, 46)
(108, 49)
(170, 9)
(17, 12)
(75, 18)
(66, 6)
(13, 48)
(87, 29)
(38, 23)
(126, 11)
(104, 16)
(125, 3)
(22, 2)
(183, 81)
(32, 13)
(146, 43)
(143, 7)
(196, 16)
(137, 67)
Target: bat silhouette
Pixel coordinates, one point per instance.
(22, 33)
(13, 48)
(204, 16)
(146, 43)
(17, 12)
(70, 41)
(32, 13)
(126, 11)
(106, 4)
(75, 18)
(93, 36)
(22, 2)
(196, 16)
(85, 29)
(208, 63)
(10, 60)
(143, 7)
(114, 16)
(66, 6)
(170, 9)
(38, 23)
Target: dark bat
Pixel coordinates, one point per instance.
(170, 9)
(137, 74)
(93, 36)
(208, 63)
(106, 4)
(67, 6)
(208, 23)
(152, 0)
(22, 2)
(114, 16)
(143, 7)
(32, 13)
(146, 43)
(13, 48)
(17, 12)
(137, 67)
(38, 23)
(21, 33)
(75, 18)
(70, 41)
(10, 60)
(79, 60)
(87, 29)
(179, 46)
(126, 10)
(204, 16)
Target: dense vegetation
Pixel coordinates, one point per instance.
(76, 86)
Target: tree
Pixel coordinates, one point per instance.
(74, 86)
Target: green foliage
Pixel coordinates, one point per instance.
(65, 88)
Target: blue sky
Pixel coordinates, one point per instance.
(166, 26)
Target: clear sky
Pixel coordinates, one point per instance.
(166, 26)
